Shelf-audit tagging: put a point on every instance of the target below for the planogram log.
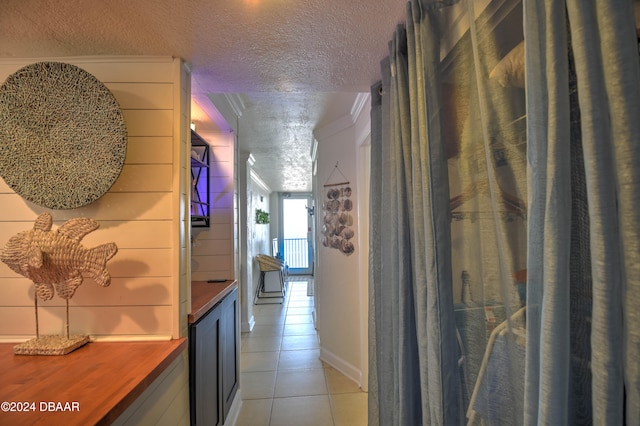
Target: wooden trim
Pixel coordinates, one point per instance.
(327, 185)
(205, 295)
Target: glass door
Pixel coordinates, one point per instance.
(295, 239)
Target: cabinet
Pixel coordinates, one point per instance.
(213, 362)
(200, 198)
(229, 352)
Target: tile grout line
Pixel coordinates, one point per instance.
(281, 335)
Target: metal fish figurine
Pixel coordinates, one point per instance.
(55, 260)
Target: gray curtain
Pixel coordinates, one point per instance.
(505, 233)
(414, 356)
(601, 36)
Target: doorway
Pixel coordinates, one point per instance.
(295, 238)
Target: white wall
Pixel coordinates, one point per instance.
(258, 235)
(274, 226)
(212, 255)
(254, 194)
(144, 213)
(364, 170)
(339, 279)
(222, 111)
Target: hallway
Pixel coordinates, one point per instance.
(282, 379)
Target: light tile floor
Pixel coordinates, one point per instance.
(282, 379)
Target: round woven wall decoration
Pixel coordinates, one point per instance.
(63, 138)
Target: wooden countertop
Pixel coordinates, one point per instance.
(95, 383)
(205, 295)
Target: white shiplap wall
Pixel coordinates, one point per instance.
(212, 255)
(143, 213)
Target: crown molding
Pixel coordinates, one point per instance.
(359, 104)
(236, 104)
(255, 177)
(228, 106)
(314, 149)
(345, 121)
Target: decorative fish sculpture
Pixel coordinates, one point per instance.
(55, 260)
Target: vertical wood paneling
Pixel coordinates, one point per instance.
(140, 213)
(144, 178)
(142, 122)
(111, 206)
(103, 321)
(213, 248)
(130, 69)
(182, 186)
(140, 291)
(149, 150)
(128, 263)
(224, 215)
(165, 402)
(145, 96)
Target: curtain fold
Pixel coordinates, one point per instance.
(417, 380)
(548, 136)
(532, 201)
(375, 246)
(603, 42)
(429, 220)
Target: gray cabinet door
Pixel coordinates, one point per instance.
(229, 350)
(204, 341)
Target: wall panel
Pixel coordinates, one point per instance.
(213, 247)
(149, 150)
(139, 213)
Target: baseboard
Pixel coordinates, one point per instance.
(342, 366)
(234, 411)
(247, 326)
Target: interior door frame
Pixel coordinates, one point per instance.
(310, 243)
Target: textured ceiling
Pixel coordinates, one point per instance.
(294, 65)
(286, 122)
